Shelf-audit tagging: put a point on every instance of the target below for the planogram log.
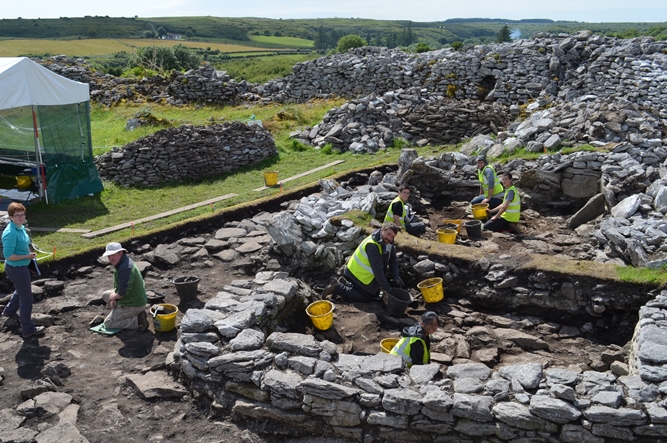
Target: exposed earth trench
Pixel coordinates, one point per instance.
(109, 409)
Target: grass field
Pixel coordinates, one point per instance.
(288, 42)
(103, 46)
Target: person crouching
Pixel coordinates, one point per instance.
(128, 298)
(414, 347)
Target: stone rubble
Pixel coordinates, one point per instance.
(189, 152)
(540, 93)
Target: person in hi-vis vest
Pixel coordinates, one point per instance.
(366, 271)
(414, 347)
(490, 186)
(401, 214)
(506, 216)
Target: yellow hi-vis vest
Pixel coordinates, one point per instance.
(497, 185)
(513, 211)
(390, 214)
(402, 348)
(359, 264)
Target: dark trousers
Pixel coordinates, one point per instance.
(22, 299)
(350, 291)
(493, 203)
(415, 228)
(497, 225)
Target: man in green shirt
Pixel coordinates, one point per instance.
(128, 297)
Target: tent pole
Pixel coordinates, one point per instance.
(41, 179)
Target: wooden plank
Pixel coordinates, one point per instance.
(156, 216)
(78, 231)
(303, 174)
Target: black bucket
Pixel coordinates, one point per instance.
(186, 287)
(398, 301)
(473, 228)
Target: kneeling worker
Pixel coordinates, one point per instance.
(490, 187)
(366, 268)
(415, 345)
(506, 216)
(400, 213)
(128, 297)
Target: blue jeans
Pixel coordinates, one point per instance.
(22, 299)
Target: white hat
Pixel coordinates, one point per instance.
(112, 248)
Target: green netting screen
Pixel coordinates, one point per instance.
(68, 151)
(66, 148)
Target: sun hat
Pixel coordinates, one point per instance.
(112, 248)
(481, 158)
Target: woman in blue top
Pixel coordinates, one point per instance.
(16, 248)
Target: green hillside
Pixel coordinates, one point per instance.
(295, 33)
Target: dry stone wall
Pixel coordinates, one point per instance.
(563, 66)
(185, 153)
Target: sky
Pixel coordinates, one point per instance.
(593, 11)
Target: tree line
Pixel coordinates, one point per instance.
(327, 39)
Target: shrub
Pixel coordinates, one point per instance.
(350, 41)
(399, 143)
(297, 146)
(139, 71)
(186, 58)
(421, 47)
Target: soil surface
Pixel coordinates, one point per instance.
(111, 411)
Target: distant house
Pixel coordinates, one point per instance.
(172, 37)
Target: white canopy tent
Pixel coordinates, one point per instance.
(60, 108)
(26, 83)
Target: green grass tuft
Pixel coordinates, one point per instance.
(631, 274)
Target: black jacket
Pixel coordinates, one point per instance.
(417, 348)
(384, 264)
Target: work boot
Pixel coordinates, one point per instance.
(329, 290)
(142, 319)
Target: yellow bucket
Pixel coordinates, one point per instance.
(164, 322)
(432, 290)
(457, 222)
(387, 344)
(446, 236)
(321, 314)
(23, 182)
(479, 211)
(271, 178)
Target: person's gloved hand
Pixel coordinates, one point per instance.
(398, 282)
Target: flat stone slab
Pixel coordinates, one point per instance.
(154, 385)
